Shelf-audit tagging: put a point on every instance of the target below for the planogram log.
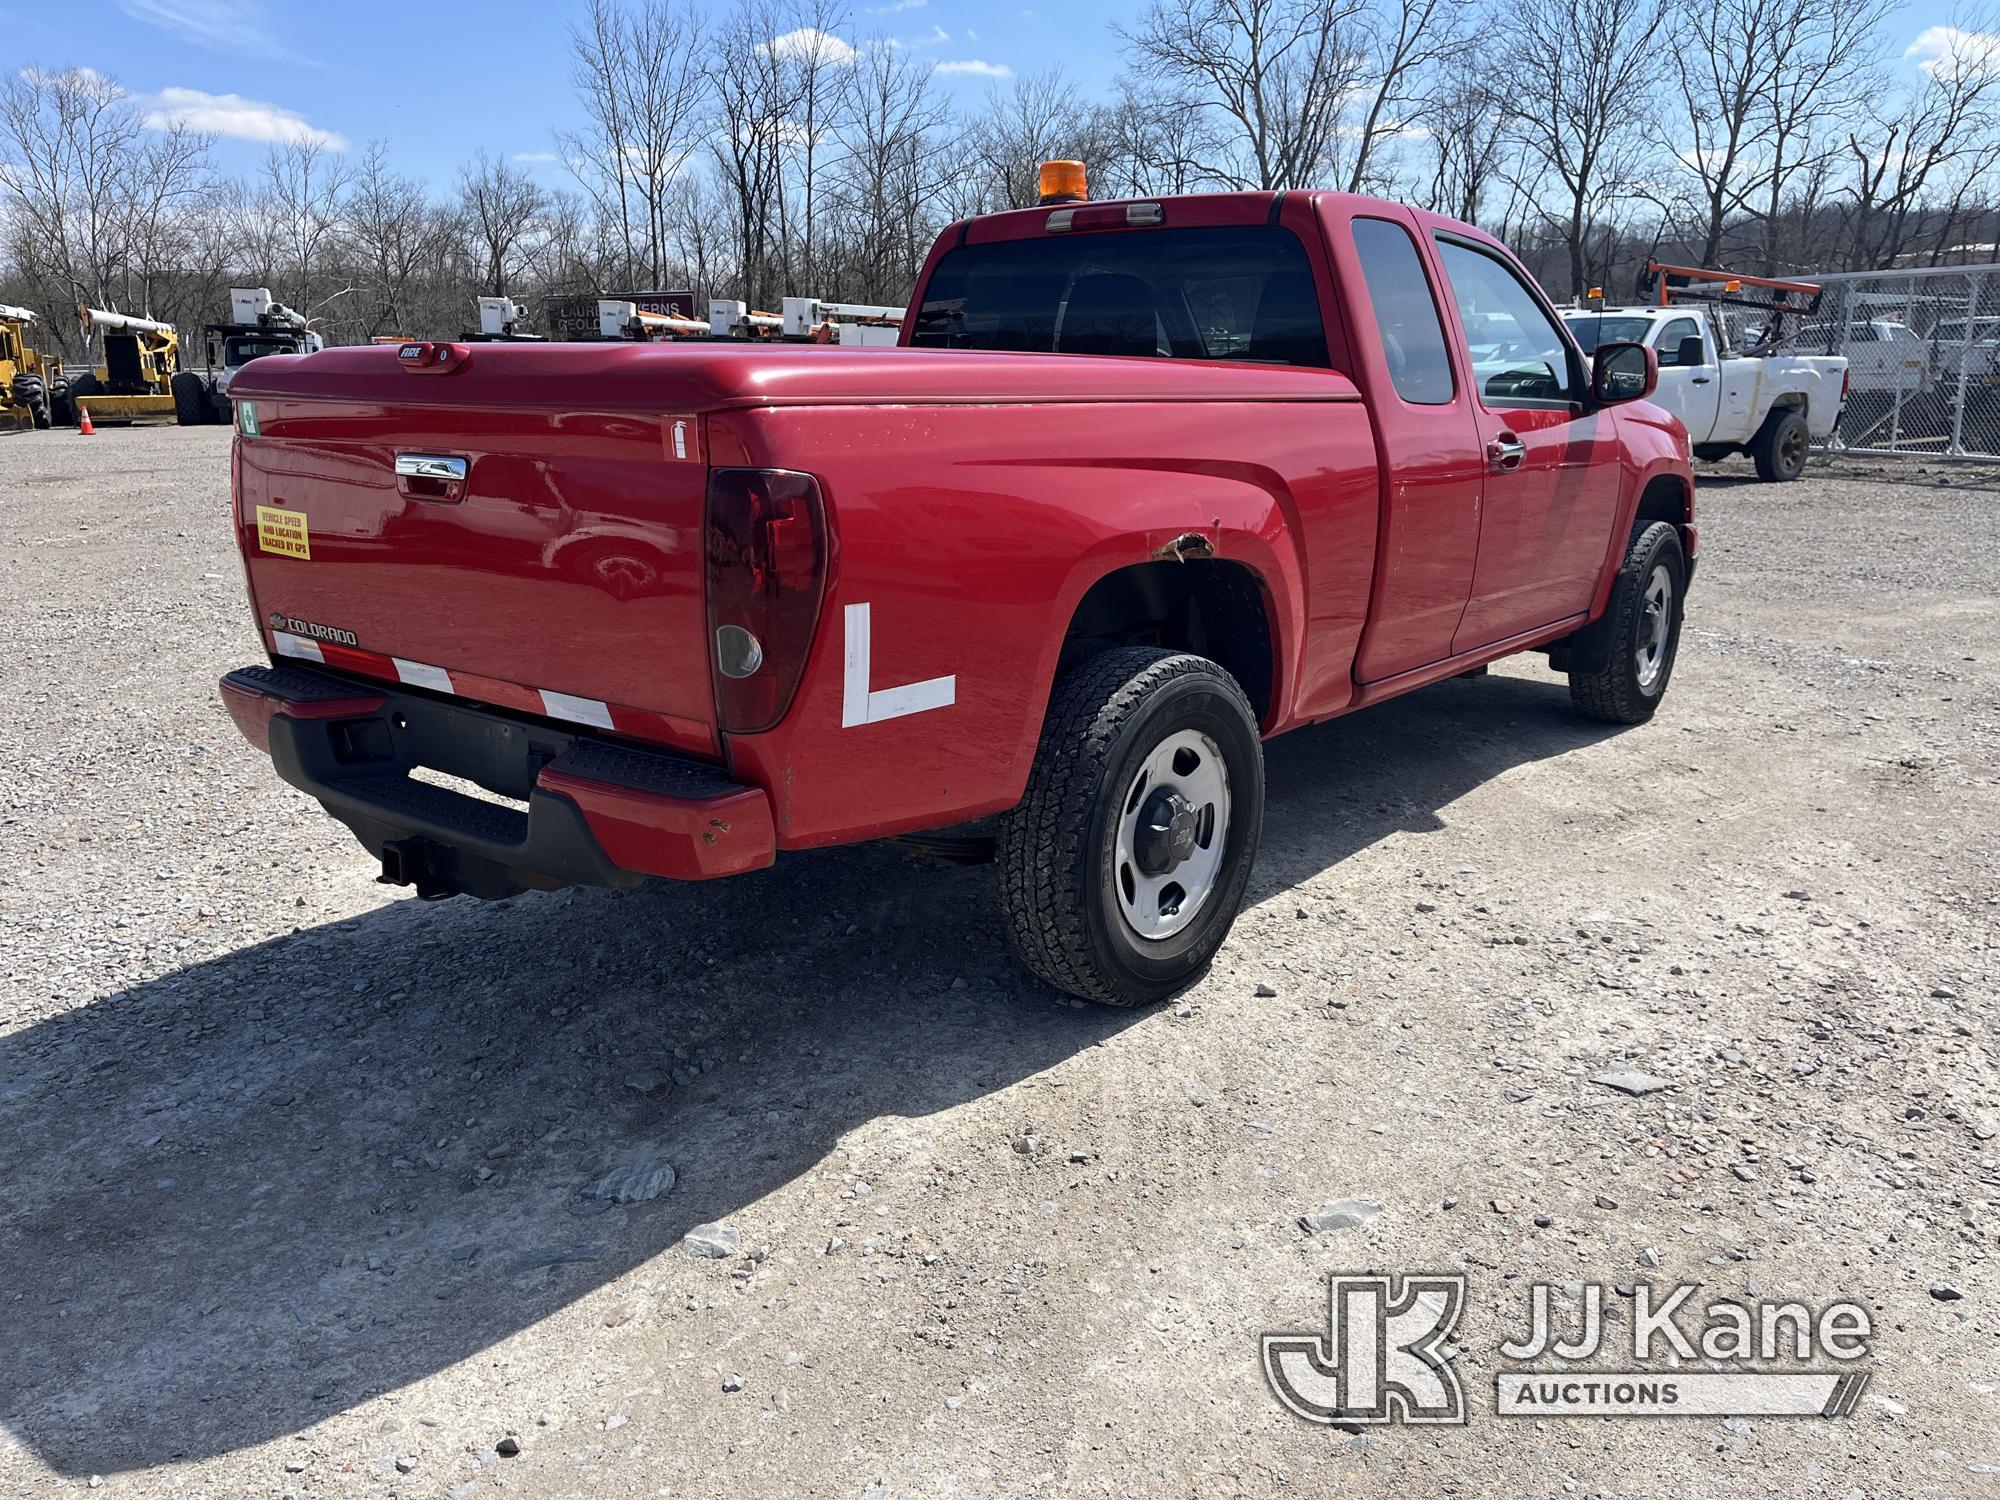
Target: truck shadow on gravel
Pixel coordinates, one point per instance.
(256, 1192)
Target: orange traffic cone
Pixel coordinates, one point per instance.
(83, 427)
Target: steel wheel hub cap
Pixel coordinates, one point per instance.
(1656, 613)
(1172, 828)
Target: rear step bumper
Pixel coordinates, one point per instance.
(582, 810)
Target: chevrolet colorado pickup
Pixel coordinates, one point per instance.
(1146, 483)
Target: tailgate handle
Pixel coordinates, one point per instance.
(430, 476)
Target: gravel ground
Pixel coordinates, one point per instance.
(292, 1168)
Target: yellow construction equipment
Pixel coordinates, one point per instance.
(32, 390)
(140, 359)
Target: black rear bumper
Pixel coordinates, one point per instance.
(563, 807)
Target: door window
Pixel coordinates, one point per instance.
(1671, 339)
(1406, 314)
(1519, 358)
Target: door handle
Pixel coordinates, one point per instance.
(1506, 451)
(430, 476)
(1699, 380)
(429, 466)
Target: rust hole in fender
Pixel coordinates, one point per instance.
(1186, 547)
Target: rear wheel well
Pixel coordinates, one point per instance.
(1210, 607)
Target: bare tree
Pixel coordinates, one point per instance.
(305, 182)
(1280, 72)
(1468, 128)
(1946, 135)
(637, 73)
(497, 200)
(1406, 45)
(1830, 69)
(1753, 74)
(817, 63)
(92, 197)
(1039, 117)
(755, 99)
(1584, 72)
(392, 230)
(885, 172)
(1161, 142)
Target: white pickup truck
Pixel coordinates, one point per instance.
(1770, 406)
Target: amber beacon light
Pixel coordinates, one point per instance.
(1063, 182)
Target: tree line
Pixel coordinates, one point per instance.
(779, 149)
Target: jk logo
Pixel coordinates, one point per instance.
(1382, 1359)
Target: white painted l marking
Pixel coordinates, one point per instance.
(859, 705)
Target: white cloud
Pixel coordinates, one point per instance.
(225, 25)
(536, 156)
(809, 42)
(1948, 50)
(234, 116)
(973, 67)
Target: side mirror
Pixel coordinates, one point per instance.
(1688, 351)
(1623, 372)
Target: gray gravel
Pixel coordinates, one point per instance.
(293, 1170)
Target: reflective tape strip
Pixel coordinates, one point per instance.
(417, 674)
(287, 644)
(576, 710)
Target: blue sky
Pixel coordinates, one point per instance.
(441, 79)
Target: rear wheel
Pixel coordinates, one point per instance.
(1780, 449)
(190, 399)
(62, 412)
(1645, 612)
(1124, 865)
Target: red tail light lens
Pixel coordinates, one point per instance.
(1845, 376)
(766, 576)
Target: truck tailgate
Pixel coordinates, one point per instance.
(562, 576)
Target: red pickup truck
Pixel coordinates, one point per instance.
(1145, 483)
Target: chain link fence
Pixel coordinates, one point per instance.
(1923, 358)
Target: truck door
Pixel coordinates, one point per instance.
(1688, 385)
(1427, 440)
(1551, 472)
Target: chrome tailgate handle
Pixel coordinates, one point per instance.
(430, 466)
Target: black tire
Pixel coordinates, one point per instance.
(1621, 693)
(1781, 448)
(1060, 891)
(85, 384)
(190, 399)
(29, 394)
(62, 411)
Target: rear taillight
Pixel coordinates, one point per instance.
(1845, 377)
(766, 575)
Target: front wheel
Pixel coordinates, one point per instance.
(1645, 619)
(1124, 865)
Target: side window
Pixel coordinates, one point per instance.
(1672, 337)
(1406, 313)
(1517, 353)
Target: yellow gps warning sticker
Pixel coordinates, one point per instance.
(282, 532)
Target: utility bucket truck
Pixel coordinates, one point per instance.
(257, 327)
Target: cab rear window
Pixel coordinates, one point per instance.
(1235, 293)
